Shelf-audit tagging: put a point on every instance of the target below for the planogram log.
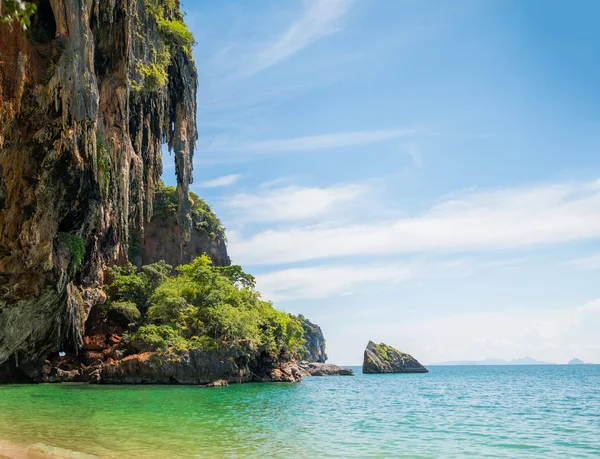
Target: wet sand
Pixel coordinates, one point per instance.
(12, 451)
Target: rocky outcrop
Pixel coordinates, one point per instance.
(381, 358)
(236, 364)
(162, 236)
(323, 369)
(87, 98)
(315, 341)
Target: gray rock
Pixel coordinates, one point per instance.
(315, 341)
(381, 358)
(323, 369)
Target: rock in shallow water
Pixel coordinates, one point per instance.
(323, 369)
(381, 358)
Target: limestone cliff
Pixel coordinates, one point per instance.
(88, 96)
(315, 342)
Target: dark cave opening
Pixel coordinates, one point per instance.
(43, 24)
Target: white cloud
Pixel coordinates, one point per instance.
(232, 152)
(477, 221)
(225, 180)
(319, 19)
(322, 282)
(291, 203)
(327, 141)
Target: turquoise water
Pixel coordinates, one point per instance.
(451, 412)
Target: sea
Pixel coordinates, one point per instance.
(450, 412)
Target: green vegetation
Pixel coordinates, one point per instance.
(166, 203)
(200, 306)
(76, 248)
(104, 167)
(387, 353)
(154, 77)
(174, 36)
(125, 309)
(175, 32)
(17, 11)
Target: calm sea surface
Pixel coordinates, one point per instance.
(451, 412)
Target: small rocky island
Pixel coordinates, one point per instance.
(381, 358)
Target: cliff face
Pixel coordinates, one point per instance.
(87, 98)
(315, 342)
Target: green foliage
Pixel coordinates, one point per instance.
(176, 32)
(170, 23)
(17, 11)
(155, 337)
(204, 306)
(104, 168)
(76, 247)
(126, 309)
(205, 219)
(154, 77)
(166, 201)
(387, 353)
(129, 284)
(237, 276)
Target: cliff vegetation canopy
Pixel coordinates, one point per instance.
(198, 306)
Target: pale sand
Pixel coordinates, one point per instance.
(11, 451)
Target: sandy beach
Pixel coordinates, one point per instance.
(12, 451)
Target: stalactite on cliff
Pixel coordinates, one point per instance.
(80, 157)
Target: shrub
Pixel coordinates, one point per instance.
(176, 32)
(154, 75)
(76, 247)
(123, 312)
(155, 337)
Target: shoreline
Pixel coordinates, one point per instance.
(10, 450)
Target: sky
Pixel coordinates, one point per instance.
(420, 173)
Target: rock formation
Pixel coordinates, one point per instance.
(87, 98)
(315, 341)
(381, 358)
(323, 369)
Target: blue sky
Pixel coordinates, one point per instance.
(423, 173)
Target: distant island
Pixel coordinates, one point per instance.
(576, 362)
(523, 361)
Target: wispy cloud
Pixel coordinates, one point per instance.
(325, 281)
(319, 19)
(326, 141)
(232, 151)
(591, 263)
(291, 203)
(477, 221)
(225, 180)
(336, 279)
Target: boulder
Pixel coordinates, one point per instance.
(218, 383)
(381, 358)
(94, 343)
